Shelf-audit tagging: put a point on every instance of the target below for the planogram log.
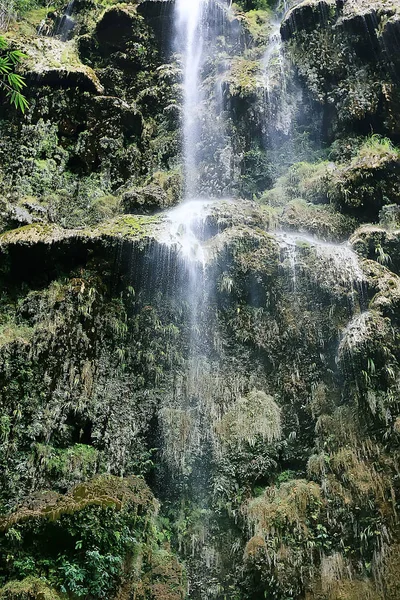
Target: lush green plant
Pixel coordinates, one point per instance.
(255, 4)
(10, 81)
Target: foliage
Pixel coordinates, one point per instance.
(78, 542)
(256, 416)
(10, 81)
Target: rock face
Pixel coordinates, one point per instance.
(202, 403)
(347, 55)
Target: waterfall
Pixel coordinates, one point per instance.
(273, 51)
(66, 23)
(190, 41)
(200, 25)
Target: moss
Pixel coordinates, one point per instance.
(129, 226)
(332, 52)
(56, 63)
(68, 466)
(370, 180)
(103, 491)
(107, 543)
(31, 588)
(32, 234)
(347, 589)
(390, 571)
(285, 506)
(257, 416)
(258, 24)
(244, 77)
(11, 332)
(377, 243)
(303, 180)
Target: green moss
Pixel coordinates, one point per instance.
(30, 588)
(244, 77)
(101, 528)
(303, 180)
(69, 465)
(11, 332)
(103, 491)
(257, 416)
(129, 226)
(258, 23)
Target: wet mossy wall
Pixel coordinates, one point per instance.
(257, 456)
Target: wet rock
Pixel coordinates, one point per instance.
(159, 15)
(145, 200)
(306, 16)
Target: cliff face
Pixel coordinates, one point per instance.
(226, 428)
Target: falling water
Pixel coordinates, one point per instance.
(207, 149)
(272, 54)
(186, 419)
(281, 100)
(66, 23)
(190, 41)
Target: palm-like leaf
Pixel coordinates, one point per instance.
(12, 82)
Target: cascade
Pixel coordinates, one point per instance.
(205, 161)
(338, 265)
(66, 23)
(188, 418)
(273, 53)
(190, 40)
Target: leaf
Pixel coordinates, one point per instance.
(16, 56)
(16, 81)
(19, 101)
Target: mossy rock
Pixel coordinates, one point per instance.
(129, 227)
(117, 26)
(306, 16)
(342, 58)
(31, 588)
(370, 181)
(358, 17)
(377, 243)
(145, 200)
(346, 589)
(322, 221)
(104, 491)
(55, 63)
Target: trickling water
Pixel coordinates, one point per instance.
(281, 99)
(272, 53)
(337, 264)
(354, 334)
